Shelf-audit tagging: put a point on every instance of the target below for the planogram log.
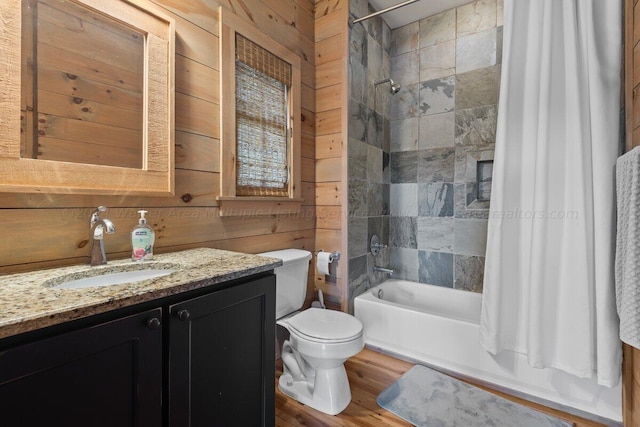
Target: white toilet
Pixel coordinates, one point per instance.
(319, 343)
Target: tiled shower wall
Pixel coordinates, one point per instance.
(443, 125)
(368, 146)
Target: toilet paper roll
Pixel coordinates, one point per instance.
(324, 259)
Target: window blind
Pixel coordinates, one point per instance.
(262, 120)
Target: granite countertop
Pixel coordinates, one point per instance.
(29, 302)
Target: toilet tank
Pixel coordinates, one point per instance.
(291, 279)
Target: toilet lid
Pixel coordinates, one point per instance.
(329, 325)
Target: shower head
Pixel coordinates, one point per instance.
(395, 87)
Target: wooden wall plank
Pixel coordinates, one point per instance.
(328, 50)
(328, 170)
(197, 152)
(329, 122)
(330, 24)
(195, 115)
(329, 98)
(328, 194)
(197, 80)
(325, 7)
(329, 217)
(329, 74)
(329, 146)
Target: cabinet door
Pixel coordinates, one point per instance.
(222, 357)
(106, 375)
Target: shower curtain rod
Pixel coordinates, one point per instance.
(380, 12)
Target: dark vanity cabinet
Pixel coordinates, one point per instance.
(106, 375)
(222, 358)
(202, 358)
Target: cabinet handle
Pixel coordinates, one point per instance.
(184, 315)
(153, 323)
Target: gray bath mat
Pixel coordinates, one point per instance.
(425, 397)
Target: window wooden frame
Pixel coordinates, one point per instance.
(156, 177)
(230, 203)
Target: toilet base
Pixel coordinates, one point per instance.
(328, 392)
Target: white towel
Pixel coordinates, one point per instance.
(628, 246)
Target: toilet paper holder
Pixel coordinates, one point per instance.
(335, 255)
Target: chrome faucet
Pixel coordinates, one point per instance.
(97, 229)
(377, 269)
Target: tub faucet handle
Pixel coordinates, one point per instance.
(375, 245)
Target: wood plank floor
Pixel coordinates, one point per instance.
(369, 373)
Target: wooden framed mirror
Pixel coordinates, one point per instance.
(86, 97)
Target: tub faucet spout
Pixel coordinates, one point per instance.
(389, 271)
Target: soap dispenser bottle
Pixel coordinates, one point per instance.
(142, 239)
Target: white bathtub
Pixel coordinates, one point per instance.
(439, 327)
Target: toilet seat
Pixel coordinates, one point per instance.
(325, 326)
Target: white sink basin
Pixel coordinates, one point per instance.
(109, 277)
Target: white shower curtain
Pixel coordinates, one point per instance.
(548, 285)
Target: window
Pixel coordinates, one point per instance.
(260, 138)
(263, 83)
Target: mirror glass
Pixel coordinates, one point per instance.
(82, 98)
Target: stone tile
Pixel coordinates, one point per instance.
(476, 51)
(386, 173)
(375, 199)
(403, 231)
(357, 237)
(404, 134)
(468, 273)
(359, 8)
(477, 88)
(405, 69)
(386, 62)
(374, 26)
(378, 225)
(436, 165)
(374, 57)
(499, 13)
(357, 81)
(358, 205)
(382, 99)
(386, 135)
(467, 157)
(404, 263)
(438, 28)
(436, 268)
(438, 60)
(404, 39)
(386, 38)
(404, 167)
(435, 234)
(358, 120)
(434, 199)
(404, 199)
(357, 160)
(436, 131)
(386, 190)
(437, 96)
(405, 103)
(358, 44)
(475, 17)
(374, 129)
(470, 237)
(476, 126)
(358, 278)
(461, 210)
(374, 164)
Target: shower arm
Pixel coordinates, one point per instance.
(380, 12)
